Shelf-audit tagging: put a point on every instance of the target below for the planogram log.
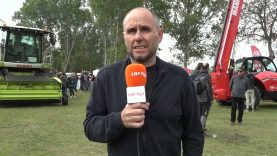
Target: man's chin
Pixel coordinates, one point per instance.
(140, 59)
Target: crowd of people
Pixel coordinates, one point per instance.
(73, 82)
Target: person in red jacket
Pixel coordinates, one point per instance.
(167, 123)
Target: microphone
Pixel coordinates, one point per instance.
(135, 75)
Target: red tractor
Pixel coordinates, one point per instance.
(262, 68)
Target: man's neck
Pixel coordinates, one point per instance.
(150, 62)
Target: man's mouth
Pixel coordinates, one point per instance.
(140, 47)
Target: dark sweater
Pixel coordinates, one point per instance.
(173, 116)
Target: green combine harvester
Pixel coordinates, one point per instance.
(25, 66)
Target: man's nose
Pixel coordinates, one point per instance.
(138, 36)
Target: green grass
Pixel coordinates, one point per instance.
(48, 129)
(256, 136)
(56, 130)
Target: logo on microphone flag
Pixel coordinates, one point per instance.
(136, 94)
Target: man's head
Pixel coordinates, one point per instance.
(199, 66)
(240, 72)
(205, 66)
(142, 35)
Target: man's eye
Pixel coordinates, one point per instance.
(145, 29)
(129, 31)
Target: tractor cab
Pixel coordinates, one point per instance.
(265, 73)
(255, 65)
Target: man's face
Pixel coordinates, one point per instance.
(240, 72)
(142, 36)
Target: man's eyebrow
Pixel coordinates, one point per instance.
(131, 27)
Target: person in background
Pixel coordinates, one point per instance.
(238, 85)
(75, 81)
(206, 97)
(63, 78)
(70, 86)
(92, 77)
(250, 93)
(82, 81)
(168, 124)
(196, 71)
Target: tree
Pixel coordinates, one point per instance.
(89, 31)
(259, 22)
(71, 21)
(37, 13)
(189, 26)
(108, 16)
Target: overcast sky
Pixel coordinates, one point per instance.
(8, 7)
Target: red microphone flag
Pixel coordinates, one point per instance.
(135, 75)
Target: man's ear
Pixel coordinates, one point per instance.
(161, 33)
(123, 36)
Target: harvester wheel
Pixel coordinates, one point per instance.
(65, 100)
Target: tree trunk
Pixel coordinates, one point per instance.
(69, 51)
(105, 49)
(270, 50)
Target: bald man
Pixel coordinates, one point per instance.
(167, 123)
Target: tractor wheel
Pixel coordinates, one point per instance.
(225, 103)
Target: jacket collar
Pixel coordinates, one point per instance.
(161, 65)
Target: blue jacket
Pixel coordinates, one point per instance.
(173, 116)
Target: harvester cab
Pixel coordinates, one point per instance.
(25, 65)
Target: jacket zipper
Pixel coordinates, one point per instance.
(149, 97)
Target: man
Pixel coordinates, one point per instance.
(196, 71)
(155, 128)
(250, 93)
(63, 78)
(238, 86)
(206, 97)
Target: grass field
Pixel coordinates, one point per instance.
(56, 130)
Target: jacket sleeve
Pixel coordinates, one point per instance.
(99, 125)
(193, 135)
(231, 83)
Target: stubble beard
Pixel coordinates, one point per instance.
(143, 59)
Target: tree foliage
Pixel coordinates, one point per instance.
(259, 22)
(108, 16)
(191, 22)
(68, 19)
(90, 31)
